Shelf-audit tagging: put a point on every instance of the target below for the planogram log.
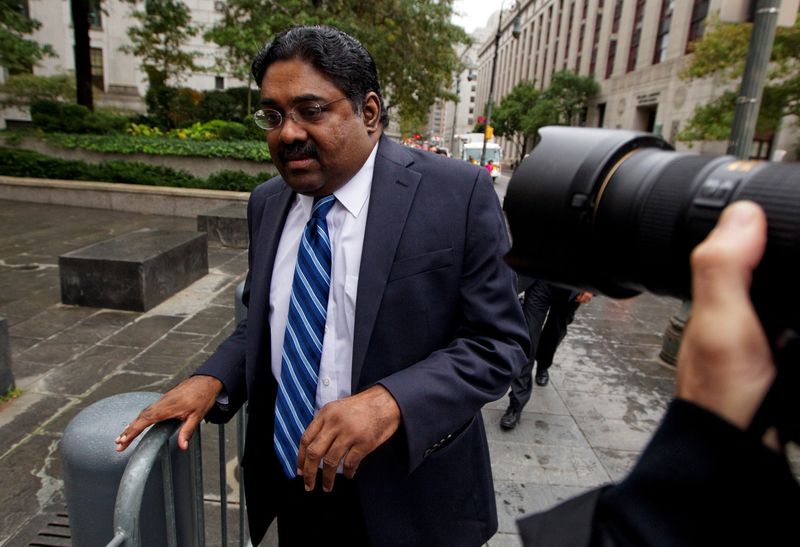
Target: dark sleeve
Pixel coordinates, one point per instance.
(700, 481)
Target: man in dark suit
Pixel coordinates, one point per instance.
(422, 329)
(706, 478)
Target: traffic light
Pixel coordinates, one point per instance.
(489, 132)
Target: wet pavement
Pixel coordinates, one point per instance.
(607, 393)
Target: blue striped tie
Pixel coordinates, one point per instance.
(302, 343)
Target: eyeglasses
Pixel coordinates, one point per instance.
(304, 112)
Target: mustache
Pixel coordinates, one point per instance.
(298, 150)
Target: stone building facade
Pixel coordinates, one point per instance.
(117, 75)
(635, 50)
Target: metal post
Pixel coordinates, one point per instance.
(491, 83)
(749, 100)
(223, 487)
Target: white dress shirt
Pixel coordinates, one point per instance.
(347, 223)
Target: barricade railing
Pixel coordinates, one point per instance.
(153, 447)
(155, 444)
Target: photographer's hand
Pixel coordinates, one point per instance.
(724, 363)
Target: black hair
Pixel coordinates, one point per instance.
(336, 54)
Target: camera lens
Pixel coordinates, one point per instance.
(618, 212)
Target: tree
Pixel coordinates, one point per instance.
(525, 109)
(83, 55)
(165, 27)
(513, 119)
(22, 90)
(570, 94)
(721, 53)
(18, 53)
(412, 42)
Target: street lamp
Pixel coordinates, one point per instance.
(515, 32)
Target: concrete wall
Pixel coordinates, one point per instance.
(156, 200)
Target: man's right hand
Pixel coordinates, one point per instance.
(189, 401)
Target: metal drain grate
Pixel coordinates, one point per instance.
(55, 533)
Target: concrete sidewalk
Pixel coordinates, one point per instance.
(607, 392)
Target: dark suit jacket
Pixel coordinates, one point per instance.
(437, 323)
(700, 482)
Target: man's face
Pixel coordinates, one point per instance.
(316, 157)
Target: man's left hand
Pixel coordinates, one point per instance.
(346, 430)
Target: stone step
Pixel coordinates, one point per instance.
(226, 225)
(134, 271)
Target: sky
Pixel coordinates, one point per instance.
(474, 13)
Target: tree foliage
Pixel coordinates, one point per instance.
(722, 52)
(525, 109)
(164, 28)
(412, 41)
(18, 52)
(21, 90)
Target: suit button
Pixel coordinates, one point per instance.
(428, 452)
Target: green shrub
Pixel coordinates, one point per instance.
(237, 181)
(163, 146)
(55, 117)
(25, 163)
(229, 104)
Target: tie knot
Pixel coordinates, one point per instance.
(322, 206)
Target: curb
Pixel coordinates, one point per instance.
(132, 198)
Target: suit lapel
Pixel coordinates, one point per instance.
(393, 189)
(273, 216)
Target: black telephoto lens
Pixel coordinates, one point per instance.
(618, 212)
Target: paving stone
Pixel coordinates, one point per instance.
(615, 433)
(27, 373)
(209, 321)
(144, 331)
(51, 321)
(100, 325)
(30, 478)
(546, 464)
(78, 375)
(20, 416)
(517, 499)
(534, 429)
(617, 463)
(54, 351)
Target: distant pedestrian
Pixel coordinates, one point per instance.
(549, 309)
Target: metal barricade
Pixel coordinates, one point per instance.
(155, 445)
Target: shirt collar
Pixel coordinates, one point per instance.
(353, 195)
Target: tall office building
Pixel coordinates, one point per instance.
(635, 49)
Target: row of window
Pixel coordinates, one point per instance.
(537, 42)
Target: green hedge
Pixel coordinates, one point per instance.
(25, 163)
(163, 146)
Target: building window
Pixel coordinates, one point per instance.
(636, 35)
(617, 17)
(598, 21)
(95, 15)
(697, 22)
(601, 114)
(219, 82)
(612, 53)
(662, 35)
(96, 56)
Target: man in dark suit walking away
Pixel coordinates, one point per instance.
(381, 318)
